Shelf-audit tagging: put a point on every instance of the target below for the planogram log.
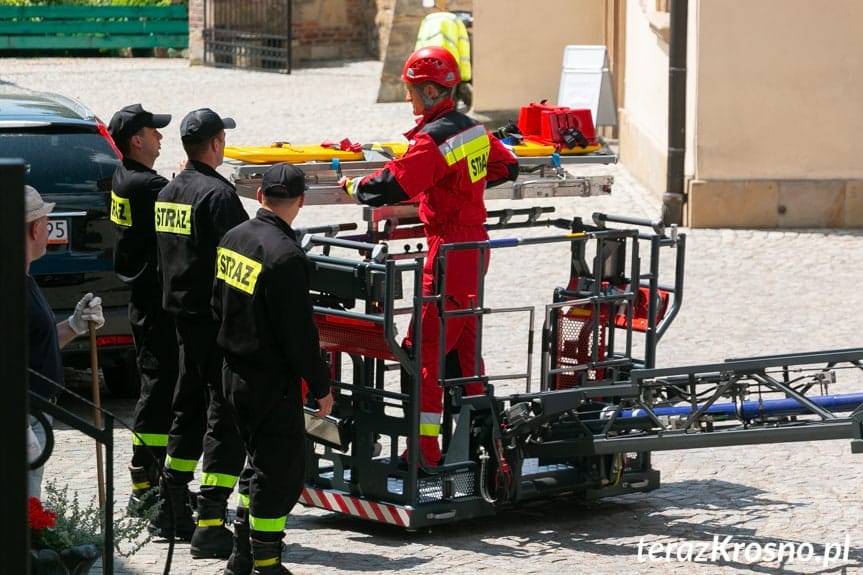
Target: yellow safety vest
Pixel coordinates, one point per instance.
(446, 30)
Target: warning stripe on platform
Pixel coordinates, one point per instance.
(355, 506)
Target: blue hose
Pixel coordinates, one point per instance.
(753, 409)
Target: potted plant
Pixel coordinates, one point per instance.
(66, 536)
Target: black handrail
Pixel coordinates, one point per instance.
(105, 436)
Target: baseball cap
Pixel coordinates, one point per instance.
(202, 124)
(127, 121)
(34, 206)
(283, 181)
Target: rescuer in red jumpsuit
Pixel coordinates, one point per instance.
(450, 160)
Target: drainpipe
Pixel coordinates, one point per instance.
(672, 199)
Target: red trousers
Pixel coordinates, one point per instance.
(460, 291)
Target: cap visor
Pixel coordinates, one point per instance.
(160, 120)
(46, 209)
(229, 123)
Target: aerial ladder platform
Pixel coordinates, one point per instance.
(587, 428)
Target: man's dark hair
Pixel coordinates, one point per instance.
(195, 149)
(123, 144)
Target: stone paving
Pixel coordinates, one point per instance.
(748, 293)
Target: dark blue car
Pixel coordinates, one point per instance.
(71, 159)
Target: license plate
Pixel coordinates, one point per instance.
(58, 231)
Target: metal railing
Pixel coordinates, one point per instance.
(105, 437)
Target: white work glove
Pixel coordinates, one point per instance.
(87, 310)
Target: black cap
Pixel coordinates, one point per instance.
(283, 181)
(201, 125)
(127, 121)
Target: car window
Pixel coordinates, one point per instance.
(62, 163)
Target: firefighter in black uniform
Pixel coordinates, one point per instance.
(193, 212)
(270, 341)
(133, 195)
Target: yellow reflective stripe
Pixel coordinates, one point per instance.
(430, 424)
(464, 143)
(121, 210)
(428, 429)
(210, 522)
(143, 485)
(471, 145)
(150, 439)
(180, 464)
(270, 525)
(174, 218)
(237, 270)
(242, 500)
(219, 479)
(267, 562)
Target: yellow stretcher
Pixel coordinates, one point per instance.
(290, 153)
(532, 148)
(296, 154)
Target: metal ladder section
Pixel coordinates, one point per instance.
(761, 400)
(540, 177)
(768, 399)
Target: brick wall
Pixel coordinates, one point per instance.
(321, 29)
(337, 29)
(331, 29)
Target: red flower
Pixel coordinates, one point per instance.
(40, 518)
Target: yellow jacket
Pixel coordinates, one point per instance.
(446, 30)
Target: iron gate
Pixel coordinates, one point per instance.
(252, 34)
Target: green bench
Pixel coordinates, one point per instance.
(93, 27)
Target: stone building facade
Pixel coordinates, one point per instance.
(328, 30)
(333, 30)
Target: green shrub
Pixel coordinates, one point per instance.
(77, 523)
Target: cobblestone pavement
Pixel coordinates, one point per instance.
(748, 293)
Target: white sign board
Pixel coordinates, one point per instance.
(586, 83)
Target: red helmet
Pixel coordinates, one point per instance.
(431, 64)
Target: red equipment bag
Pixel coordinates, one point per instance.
(556, 122)
(530, 118)
(553, 123)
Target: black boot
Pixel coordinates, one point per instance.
(240, 561)
(211, 539)
(145, 491)
(268, 558)
(174, 517)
